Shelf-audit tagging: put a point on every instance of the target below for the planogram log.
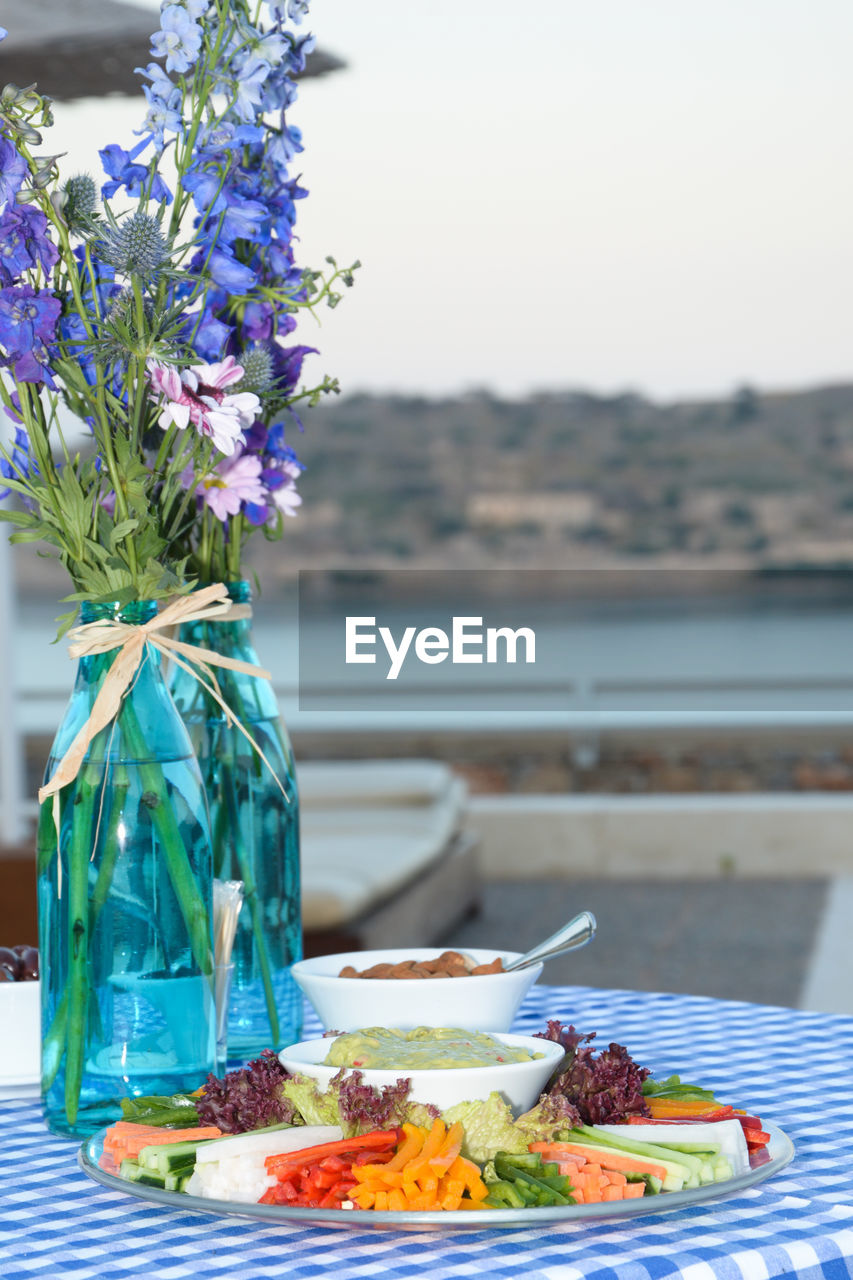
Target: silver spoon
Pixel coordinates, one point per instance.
(577, 933)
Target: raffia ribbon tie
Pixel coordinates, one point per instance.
(131, 641)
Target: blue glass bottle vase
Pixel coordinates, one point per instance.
(124, 898)
(255, 830)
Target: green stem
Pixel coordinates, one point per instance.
(55, 1039)
(77, 982)
(163, 819)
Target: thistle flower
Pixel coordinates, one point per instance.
(80, 200)
(258, 371)
(136, 246)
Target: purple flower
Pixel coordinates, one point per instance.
(258, 321)
(13, 171)
(27, 330)
(24, 244)
(287, 365)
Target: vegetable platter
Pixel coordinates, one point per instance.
(780, 1151)
(604, 1140)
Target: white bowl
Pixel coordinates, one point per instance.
(520, 1083)
(20, 1043)
(485, 1003)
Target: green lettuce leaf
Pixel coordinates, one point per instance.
(489, 1128)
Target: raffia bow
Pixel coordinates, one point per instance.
(131, 641)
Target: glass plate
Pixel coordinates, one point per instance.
(780, 1149)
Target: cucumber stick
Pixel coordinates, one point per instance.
(720, 1142)
(169, 1157)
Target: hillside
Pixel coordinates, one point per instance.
(569, 479)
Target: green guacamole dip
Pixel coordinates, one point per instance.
(424, 1047)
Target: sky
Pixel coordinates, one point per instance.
(614, 195)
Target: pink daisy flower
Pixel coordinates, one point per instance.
(286, 498)
(235, 481)
(198, 395)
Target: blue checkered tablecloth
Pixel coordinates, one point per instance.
(790, 1067)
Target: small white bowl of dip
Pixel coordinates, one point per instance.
(519, 1083)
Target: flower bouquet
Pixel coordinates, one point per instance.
(155, 312)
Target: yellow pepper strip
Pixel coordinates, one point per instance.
(381, 1201)
(396, 1200)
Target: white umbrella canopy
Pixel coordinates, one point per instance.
(87, 48)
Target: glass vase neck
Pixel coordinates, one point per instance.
(239, 592)
(133, 613)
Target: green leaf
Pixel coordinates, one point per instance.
(121, 531)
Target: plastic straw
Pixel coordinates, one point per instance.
(227, 901)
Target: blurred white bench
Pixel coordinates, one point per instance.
(385, 861)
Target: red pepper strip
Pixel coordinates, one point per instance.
(333, 1198)
(375, 1140)
(373, 1157)
(749, 1122)
(756, 1139)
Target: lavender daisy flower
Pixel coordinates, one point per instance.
(235, 481)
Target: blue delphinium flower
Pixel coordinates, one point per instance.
(22, 464)
(121, 168)
(179, 38)
(164, 112)
(24, 243)
(13, 171)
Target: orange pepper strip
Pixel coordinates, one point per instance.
(469, 1175)
(435, 1138)
(411, 1146)
(377, 1175)
(422, 1202)
(397, 1201)
(449, 1149)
